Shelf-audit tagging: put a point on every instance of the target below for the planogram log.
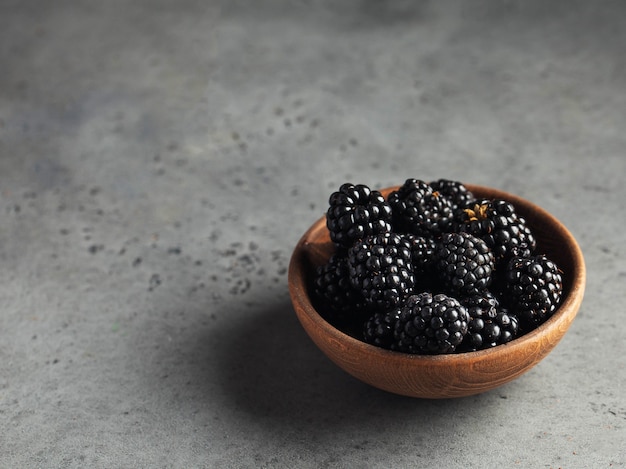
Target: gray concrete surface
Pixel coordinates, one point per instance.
(159, 160)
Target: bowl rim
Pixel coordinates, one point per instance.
(560, 319)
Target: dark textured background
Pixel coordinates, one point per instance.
(159, 160)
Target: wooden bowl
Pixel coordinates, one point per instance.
(450, 375)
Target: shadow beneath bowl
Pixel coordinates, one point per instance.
(269, 368)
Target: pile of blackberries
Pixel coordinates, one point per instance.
(432, 269)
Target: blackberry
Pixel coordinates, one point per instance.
(339, 303)
(484, 305)
(496, 222)
(454, 191)
(422, 257)
(378, 329)
(355, 212)
(422, 252)
(509, 325)
(464, 263)
(380, 268)
(419, 210)
(430, 324)
(489, 324)
(534, 286)
(487, 333)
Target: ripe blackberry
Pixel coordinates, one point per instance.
(422, 252)
(509, 325)
(380, 268)
(489, 323)
(430, 324)
(355, 212)
(454, 191)
(487, 333)
(534, 286)
(484, 305)
(496, 222)
(378, 329)
(419, 210)
(338, 302)
(422, 257)
(464, 263)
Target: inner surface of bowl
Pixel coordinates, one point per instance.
(448, 375)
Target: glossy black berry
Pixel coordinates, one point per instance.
(489, 324)
(496, 223)
(338, 302)
(419, 210)
(381, 270)
(464, 263)
(356, 211)
(430, 324)
(534, 287)
(482, 305)
(422, 252)
(454, 191)
(509, 326)
(379, 328)
(423, 256)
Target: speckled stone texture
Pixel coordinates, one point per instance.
(159, 160)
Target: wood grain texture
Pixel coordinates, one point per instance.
(451, 375)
